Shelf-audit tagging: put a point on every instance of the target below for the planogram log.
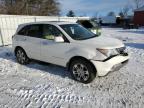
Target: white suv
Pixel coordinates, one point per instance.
(70, 45)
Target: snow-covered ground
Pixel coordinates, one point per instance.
(40, 85)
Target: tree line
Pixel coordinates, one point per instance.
(51, 8)
(30, 7)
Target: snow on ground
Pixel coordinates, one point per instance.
(127, 35)
(40, 85)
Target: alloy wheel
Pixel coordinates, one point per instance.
(80, 72)
(21, 57)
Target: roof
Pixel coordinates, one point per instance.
(49, 22)
(140, 9)
(44, 22)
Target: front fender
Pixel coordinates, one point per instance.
(88, 53)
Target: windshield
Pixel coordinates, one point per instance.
(77, 32)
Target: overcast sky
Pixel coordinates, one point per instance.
(91, 7)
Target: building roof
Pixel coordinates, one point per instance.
(140, 9)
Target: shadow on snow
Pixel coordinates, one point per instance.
(5, 53)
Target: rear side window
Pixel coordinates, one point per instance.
(23, 31)
(34, 30)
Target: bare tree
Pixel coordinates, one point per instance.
(30, 7)
(48, 7)
(138, 3)
(125, 10)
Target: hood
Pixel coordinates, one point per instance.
(102, 42)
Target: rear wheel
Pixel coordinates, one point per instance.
(82, 71)
(21, 56)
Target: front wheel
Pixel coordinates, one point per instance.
(21, 56)
(82, 71)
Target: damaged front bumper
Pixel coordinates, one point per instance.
(110, 64)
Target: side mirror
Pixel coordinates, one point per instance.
(59, 39)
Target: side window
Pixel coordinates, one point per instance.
(34, 31)
(50, 31)
(23, 31)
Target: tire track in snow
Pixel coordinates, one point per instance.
(43, 96)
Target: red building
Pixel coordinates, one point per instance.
(139, 16)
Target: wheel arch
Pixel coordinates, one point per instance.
(80, 57)
(17, 47)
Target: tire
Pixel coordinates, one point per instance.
(82, 71)
(21, 56)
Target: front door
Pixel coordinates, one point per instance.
(52, 51)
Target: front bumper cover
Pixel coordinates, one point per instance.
(110, 64)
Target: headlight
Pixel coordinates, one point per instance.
(108, 52)
(121, 50)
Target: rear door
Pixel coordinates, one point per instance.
(30, 40)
